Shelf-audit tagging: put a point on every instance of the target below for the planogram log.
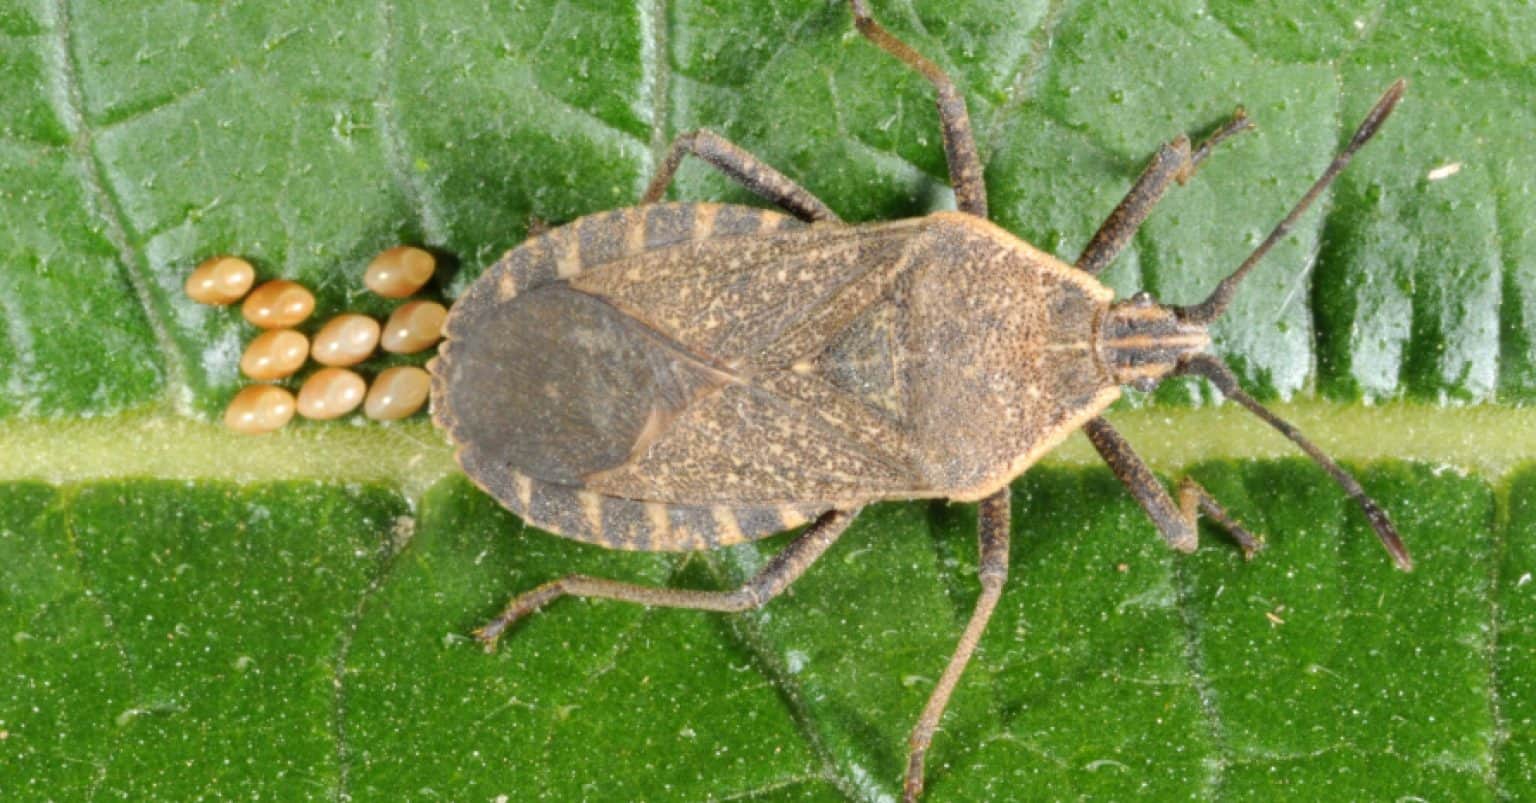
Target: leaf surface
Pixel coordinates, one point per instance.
(197, 625)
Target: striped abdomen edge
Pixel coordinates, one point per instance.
(644, 526)
(617, 523)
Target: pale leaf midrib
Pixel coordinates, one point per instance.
(1488, 440)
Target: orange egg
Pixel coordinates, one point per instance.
(414, 327)
(274, 354)
(400, 271)
(278, 304)
(259, 408)
(346, 340)
(220, 280)
(331, 393)
(396, 393)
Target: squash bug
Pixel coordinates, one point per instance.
(685, 376)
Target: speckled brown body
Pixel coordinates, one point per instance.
(684, 376)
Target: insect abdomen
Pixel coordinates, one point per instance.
(633, 525)
(561, 385)
(596, 240)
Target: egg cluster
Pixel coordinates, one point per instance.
(341, 343)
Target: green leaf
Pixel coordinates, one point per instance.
(223, 646)
(189, 653)
(191, 614)
(310, 139)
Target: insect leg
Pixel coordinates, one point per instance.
(965, 173)
(1173, 162)
(1216, 303)
(746, 169)
(1177, 524)
(993, 532)
(785, 568)
(1221, 376)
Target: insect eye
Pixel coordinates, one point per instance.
(1142, 299)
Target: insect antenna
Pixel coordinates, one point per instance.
(1213, 306)
(1222, 377)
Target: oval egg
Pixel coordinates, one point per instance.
(221, 280)
(399, 271)
(346, 340)
(331, 393)
(278, 304)
(274, 354)
(414, 327)
(396, 393)
(259, 408)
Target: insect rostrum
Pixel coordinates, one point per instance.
(684, 376)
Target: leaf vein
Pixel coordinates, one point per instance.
(603, 667)
(169, 102)
(780, 785)
(745, 630)
(591, 119)
(1499, 739)
(418, 195)
(1194, 658)
(391, 551)
(1036, 59)
(68, 99)
(94, 597)
(655, 63)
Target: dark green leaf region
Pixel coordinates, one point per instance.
(192, 615)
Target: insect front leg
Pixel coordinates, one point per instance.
(1173, 162)
(1177, 524)
(965, 173)
(992, 534)
(741, 166)
(784, 569)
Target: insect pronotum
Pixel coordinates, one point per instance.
(684, 376)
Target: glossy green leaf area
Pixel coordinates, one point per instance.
(136, 141)
(193, 653)
(302, 640)
(175, 639)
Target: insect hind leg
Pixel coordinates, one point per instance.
(993, 533)
(1173, 161)
(781, 571)
(1177, 524)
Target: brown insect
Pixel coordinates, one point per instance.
(684, 376)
